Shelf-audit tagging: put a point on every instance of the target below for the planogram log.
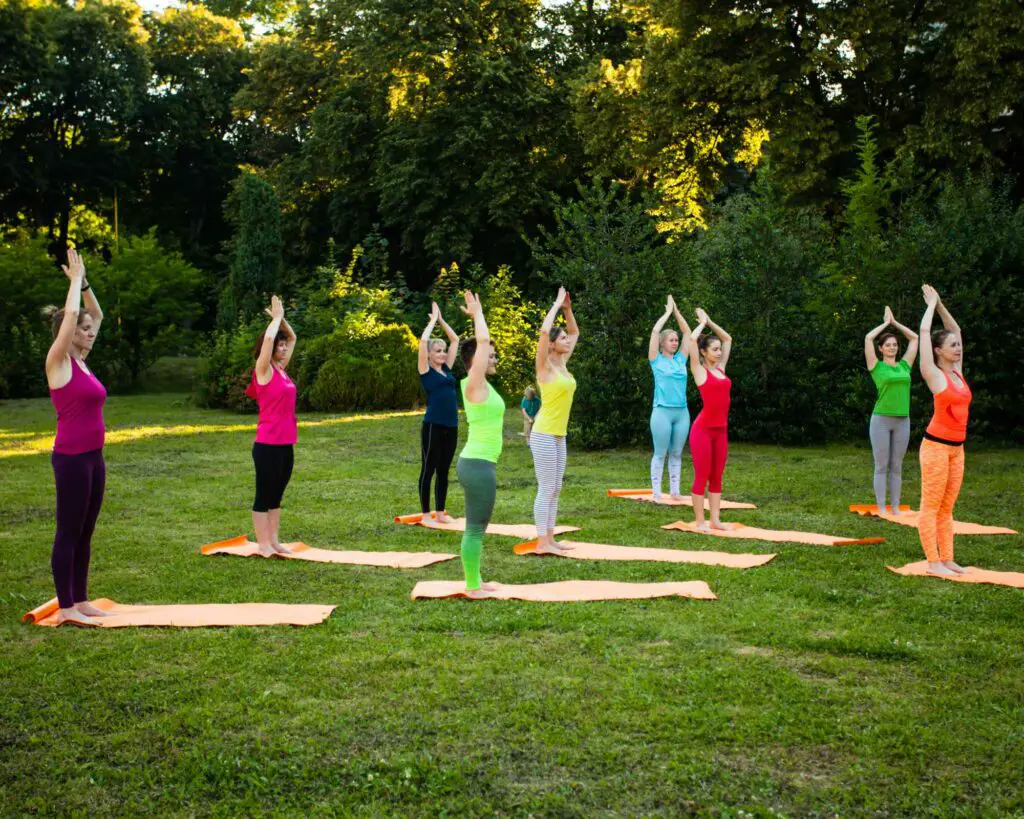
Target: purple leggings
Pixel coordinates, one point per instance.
(80, 482)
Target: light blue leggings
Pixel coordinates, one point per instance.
(669, 428)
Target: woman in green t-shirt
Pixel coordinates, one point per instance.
(890, 421)
(478, 461)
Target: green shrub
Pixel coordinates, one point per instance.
(225, 370)
(364, 365)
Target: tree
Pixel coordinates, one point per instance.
(74, 78)
(190, 142)
(256, 257)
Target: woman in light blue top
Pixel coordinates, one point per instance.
(670, 418)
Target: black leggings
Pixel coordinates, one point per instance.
(438, 449)
(274, 464)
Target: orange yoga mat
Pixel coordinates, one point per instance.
(602, 551)
(648, 495)
(519, 530)
(742, 532)
(191, 616)
(974, 575)
(908, 517)
(243, 547)
(570, 591)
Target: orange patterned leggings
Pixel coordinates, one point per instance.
(942, 473)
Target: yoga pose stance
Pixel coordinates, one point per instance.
(78, 467)
(709, 437)
(942, 449)
(273, 452)
(670, 418)
(890, 421)
(547, 440)
(440, 431)
(477, 465)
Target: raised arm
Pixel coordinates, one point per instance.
(929, 372)
(476, 379)
(428, 331)
(950, 324)
(544, 340)
(61, 347)
(684, 338)
(453, 339)
(266, 356)
(912, 340)
(723, 336)
(654, 346)
(572, 329)
(292, 338)
(92, 304)
(696, 368)
(870, 356)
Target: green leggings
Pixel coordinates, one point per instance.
(479, 481)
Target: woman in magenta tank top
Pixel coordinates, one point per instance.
(78, 468)
(273, 452)
(709, 436)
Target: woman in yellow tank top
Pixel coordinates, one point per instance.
(547, 440)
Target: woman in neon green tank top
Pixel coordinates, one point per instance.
(477, 466)
(547, 440)
(889, 429)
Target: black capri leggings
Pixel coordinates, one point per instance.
(274, 464)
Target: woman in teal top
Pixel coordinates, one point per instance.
(890, 422)
(477, 466)
(670, 418)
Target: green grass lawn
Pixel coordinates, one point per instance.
(819, 684)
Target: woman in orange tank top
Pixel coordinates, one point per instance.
(942, 450)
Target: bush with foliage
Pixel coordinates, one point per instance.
(148, 298)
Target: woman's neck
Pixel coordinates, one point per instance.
(889, 359)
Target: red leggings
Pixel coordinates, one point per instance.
(710, 450)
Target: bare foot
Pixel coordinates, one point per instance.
(89, 610)
(956, 567)
(717, 524)
(442, 517)
(565, 547)
(656, 497)
(677, 497)
(941, 570)
(75, 618)
(266, 551)
(491, 587)
(281, 550)
(703, 526)
(478, 594)
(549, 549)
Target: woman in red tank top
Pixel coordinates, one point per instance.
(78, 467)
(709, 435)
(942, 449)
(273, 452)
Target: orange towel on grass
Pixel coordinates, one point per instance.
(602, 551)
(743, 532)
(908, 517)
(191, 616)
(570, 591)
(522, 531)
(974, 575)
(243, 547)
(648, 495)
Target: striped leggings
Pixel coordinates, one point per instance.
(549, 465)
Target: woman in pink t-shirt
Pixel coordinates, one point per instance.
(273, 452)
(78, 468)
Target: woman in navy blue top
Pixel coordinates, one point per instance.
(440, 432)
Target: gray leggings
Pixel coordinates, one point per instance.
(890, 436)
